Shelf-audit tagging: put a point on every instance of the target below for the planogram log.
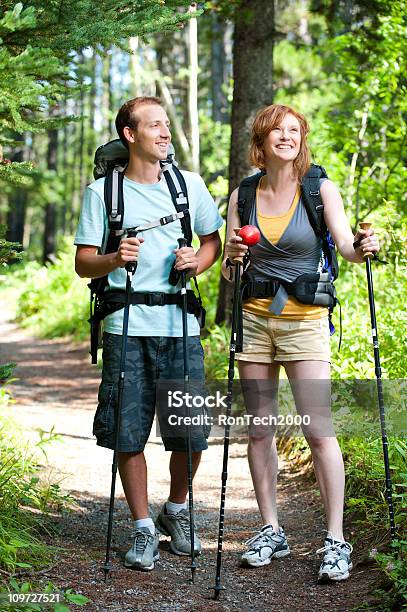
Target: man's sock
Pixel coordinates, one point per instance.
(145, 522)
(173, 508)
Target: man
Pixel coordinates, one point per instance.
(155, 348)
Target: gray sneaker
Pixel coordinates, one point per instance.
(144, 551)
(265, 546)
(336, 564)
(177, 526)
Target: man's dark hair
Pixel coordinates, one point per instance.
(126, 115)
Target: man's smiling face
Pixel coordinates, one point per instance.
(152, 135)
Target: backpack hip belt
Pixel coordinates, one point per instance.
(316, 289)
(112, 301)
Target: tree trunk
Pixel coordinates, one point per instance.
(193, 89)
(92, 102)
(253, 43)
(218, 70)
(82, 170)
(107, 97)
(49, 242)
(17, 201)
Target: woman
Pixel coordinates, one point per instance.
(289, 333)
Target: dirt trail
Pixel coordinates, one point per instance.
(57, 387)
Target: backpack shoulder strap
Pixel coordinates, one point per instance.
(246, 196)
(114, 197)
(114, 204)
(312, 198)
(179, 195)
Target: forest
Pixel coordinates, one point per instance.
(66, 68)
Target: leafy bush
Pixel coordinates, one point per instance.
(25, 500)
(355, 359)
(54, 301)
(393, 594)
(22, 492)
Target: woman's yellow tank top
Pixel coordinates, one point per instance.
(273, 227)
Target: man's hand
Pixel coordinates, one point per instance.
(128, 250)
(186, 260)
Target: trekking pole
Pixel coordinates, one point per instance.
(182, 243)
(130, 270)
(378, 372)
(229, 399)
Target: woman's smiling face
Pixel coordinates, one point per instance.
(284, 140)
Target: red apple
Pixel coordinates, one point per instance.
(250, 235)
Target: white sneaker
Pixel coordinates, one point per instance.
(264, 546)
(336, 563)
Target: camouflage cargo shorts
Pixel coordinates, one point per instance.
(151, 363)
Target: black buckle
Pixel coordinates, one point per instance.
(167, 219)
(156, 298)
(314, 193)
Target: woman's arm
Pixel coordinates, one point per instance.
(338, 224)
(233, 245)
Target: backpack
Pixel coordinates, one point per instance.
(110, 162)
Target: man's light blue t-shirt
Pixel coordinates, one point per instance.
(144, 203)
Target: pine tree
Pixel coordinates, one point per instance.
(37, 43)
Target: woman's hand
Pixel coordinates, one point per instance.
(367, 241)
(235, 249)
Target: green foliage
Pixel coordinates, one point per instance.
(365, 491)
(394, 566)
(355, 358)
(54, 300)
(78, 24)
(214, 154)
(38, 65)
(8, 250)
(67, 597)
(216, 347)
(31, 77)
(6, 371)
(367, 126)
(22, 491)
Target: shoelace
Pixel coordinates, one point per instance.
(335, 548)
(141, 540)
(262, 537)
(183, 519)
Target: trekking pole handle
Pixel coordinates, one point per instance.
(131, 265)
(366, 226)
(238, 259)
(182, 242)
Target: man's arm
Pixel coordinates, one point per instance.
(196, 263)
(89, 264)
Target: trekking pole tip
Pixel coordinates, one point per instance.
(193, 570)
(106, 570)
(217, 588)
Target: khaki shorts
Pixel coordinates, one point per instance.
(266, 339)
